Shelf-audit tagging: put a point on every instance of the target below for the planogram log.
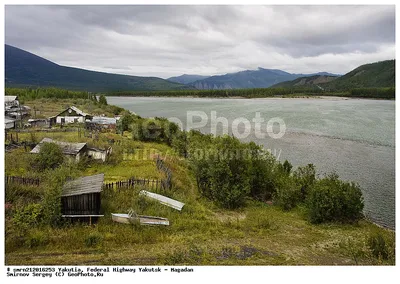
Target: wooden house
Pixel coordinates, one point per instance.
(81, 198)
(72, 115)
(72, 150)
(11, 101)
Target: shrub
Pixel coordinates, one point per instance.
(261, 173)
(287, 194)
(93, 239)
(331, 199)
(36, 238)
(305, 178)
(28, 216)
(50, 156)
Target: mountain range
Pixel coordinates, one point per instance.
(260, 78)
(24, 69)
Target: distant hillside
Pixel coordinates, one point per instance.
(26, 69)
(260, 78)
(306, 81)
(187, 79)
(373, 75)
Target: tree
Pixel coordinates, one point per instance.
(50, 156)
(102, 100)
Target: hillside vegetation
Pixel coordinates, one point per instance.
(311, 81)
(242, 206)
(373, 75)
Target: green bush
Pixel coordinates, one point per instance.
(261, 173)
(305, 177)
(287, 194)
(36, 238)
(28, 216)
(331, 199)
(93, 239)
(50, 156)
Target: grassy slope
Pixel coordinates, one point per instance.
(259, 234)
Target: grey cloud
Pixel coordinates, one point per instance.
(170, 40)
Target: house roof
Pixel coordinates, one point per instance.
(10, 98)
(66, 147)
(83, 185)
(77, 110)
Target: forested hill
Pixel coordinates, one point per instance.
(306, 81)
(248, 79)
(23, 68)
(374, 75)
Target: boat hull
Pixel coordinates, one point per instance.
(143, 220)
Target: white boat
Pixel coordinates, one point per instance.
(144, 220)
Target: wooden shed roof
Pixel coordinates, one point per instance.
(83, 185)
(66, 147)
(10, 98)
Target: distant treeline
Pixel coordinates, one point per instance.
(380, 93)
(38, 93)
(247, 93)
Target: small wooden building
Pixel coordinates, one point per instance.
(9, 123)
(72, 150)
(81, 198)
(39, 122)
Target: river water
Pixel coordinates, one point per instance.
(353, 137)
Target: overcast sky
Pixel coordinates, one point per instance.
(166, 41)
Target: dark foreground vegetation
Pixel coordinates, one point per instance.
(242, 205)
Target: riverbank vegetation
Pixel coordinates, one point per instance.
(374, 93)
(242, 206)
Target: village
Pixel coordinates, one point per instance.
(113, 196)
(81, 197)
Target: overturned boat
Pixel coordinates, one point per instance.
(142, 219)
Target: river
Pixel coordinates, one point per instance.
(353, 137)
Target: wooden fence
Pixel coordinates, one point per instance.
(167, 182)
(132, 183)
(22, 180)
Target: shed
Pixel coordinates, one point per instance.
(98, 154)
(72, 115)
(9, 123)
(101, 122)
(10, 101)
(74, 150)
(81, 198)
(39, 122)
